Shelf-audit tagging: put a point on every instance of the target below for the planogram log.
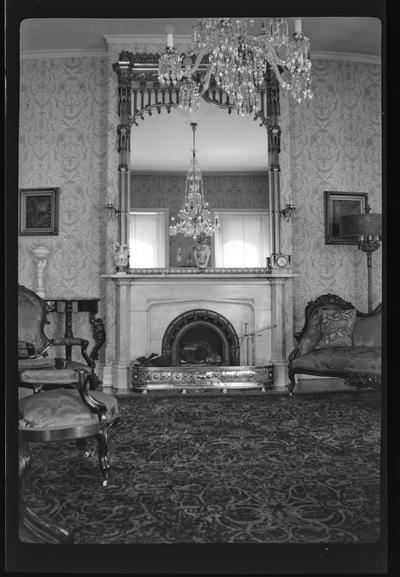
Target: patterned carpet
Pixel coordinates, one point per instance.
(222, 469)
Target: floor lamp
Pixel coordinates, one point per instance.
(367, 228)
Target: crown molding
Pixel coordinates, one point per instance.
(145, 38)
(70, 53)
(346, 56)
(140, 40)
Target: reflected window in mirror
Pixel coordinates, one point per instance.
(243, 238)
(148, 238)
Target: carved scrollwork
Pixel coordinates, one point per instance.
(99, 335)
(274, 138)
(124, 137)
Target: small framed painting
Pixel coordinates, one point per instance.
(38, 211)
(338, 204)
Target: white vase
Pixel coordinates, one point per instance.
(41, 254)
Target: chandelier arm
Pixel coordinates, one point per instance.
(273, 60)
(276, 71)
(206, 80)
(199, 58)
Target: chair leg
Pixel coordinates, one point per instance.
(292, 383)
(102, 441)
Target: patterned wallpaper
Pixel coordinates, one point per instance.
(335, 144)
(221, 191)
(63, 119)
(68, 140)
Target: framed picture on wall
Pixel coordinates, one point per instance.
(338, 204)
(38, 211)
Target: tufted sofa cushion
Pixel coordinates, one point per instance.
(354, 359)
(62, 408)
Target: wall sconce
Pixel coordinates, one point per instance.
(367, 229)
(112, 211)
(288, 212)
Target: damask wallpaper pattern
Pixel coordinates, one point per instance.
(63, 120)
(221, 191)
(335, 144)
(68, 140)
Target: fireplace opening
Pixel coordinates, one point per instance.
(200, 345)
(200, 337)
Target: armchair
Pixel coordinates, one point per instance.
(62, 415)
(36, 369)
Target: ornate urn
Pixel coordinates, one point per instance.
(202, 251)
(121, 258)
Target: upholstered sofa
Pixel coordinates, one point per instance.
(337, 340)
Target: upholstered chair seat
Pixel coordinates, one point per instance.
(63, 409)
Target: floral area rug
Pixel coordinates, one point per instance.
(222, 469)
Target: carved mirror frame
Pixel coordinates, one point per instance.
(141, 94)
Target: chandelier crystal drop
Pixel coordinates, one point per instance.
(194, 218)
(236, 57)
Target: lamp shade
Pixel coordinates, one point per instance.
(364, 224)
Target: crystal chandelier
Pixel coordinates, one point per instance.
(237, 60)
(194, 218)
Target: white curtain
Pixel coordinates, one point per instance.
(147, 239)
(243, 239)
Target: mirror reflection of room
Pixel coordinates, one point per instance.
(235, 185)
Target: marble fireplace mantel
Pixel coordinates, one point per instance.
(256, 303)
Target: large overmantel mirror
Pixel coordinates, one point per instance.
(239, 161)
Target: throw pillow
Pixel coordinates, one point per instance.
(336, 328)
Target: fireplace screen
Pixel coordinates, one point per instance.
(201, 337)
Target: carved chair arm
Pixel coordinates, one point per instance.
(83, 387)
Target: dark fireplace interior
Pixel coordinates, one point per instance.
(200, 345)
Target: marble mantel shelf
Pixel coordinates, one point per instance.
(227, 274)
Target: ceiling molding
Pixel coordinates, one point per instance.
(348, 56)
(143, 38)
(70, 53)
(118, 39)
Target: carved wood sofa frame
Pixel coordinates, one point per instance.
(360, 380)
